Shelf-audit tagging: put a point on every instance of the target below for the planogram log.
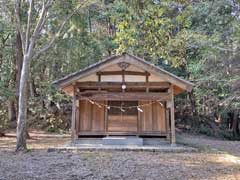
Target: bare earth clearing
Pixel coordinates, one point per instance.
(217, 160)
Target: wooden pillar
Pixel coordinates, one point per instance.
(167, 122)
(73, 127)
(172, 112)
(123, 79)
(99, 80)
(147, 83)
(77, 116)
(106, 119)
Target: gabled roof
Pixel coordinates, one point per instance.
(139, 62)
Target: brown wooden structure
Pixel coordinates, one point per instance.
(123, 95)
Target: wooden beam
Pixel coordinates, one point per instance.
(151, 133)
(127, 96)
(84, 93)
(138, 62)
(86, 85)
(134, 73)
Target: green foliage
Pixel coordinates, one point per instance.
(160, 31)
(197, 40)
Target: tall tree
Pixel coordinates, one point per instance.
(29, 34)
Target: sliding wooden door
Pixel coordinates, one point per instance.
(91, 117)
(153, 118)
(122, 121)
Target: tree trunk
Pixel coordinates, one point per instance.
(32, 88)
(235, 124)
(19, 61)
(193, 104)
(89, 21)
(1, 133)
(11, 111)
(22, 105)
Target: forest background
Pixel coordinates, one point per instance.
(198, 40)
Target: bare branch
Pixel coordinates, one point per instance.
(6, 38)
(223, 49)
(28, 24)
(41, 20)
(211, 46)
(19, 26)
(59, 32)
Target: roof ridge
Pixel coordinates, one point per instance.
(157, 69)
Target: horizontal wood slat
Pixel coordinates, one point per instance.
(135, 73)
(128, 96)
(86, 85)
(122, 123)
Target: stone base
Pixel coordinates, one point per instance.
(122, 140)
(123, 143)
(79, 148)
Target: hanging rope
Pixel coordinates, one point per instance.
(138, 107)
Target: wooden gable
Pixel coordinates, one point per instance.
(110, 70)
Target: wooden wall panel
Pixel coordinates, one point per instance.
(153, 118)
(118, 123)
(145, 117)
(159, 117)
(85, 115)
(98, 115)
(91, 117)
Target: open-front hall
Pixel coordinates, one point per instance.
(123, 95)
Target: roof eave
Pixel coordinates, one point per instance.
(67, 80)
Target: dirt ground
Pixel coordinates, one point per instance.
(216, 160)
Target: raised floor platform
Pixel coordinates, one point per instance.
(118, 140)
(121, 140)
(123, 144)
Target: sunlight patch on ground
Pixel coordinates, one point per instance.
(227, 158)
(201, 165)
(39, 141)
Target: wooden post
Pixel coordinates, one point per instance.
(99, 80)
(123, 79)
(173, 137)
(77, 117)
(147, 83)
(106, 119)
(167, 122)
(73, 128)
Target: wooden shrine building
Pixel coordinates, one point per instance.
(123, 95)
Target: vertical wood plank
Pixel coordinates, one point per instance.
(163, 118)
(146, 117)
(159, 117)
(98, 117)
(85, 115)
